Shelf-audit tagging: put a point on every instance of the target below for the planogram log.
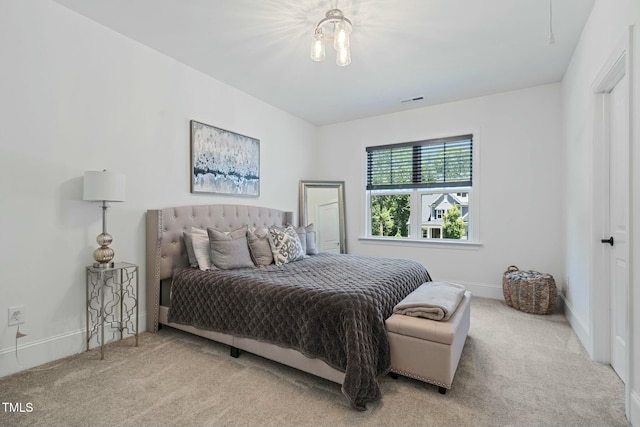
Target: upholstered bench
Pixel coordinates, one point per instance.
(429, 350)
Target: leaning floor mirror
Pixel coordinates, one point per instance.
(322, 204)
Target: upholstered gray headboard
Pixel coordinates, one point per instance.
(165, 245)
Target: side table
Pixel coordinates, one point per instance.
(112, 298)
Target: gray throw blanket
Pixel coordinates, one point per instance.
(434, 300)
(327, 306)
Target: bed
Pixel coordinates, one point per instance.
(323, 314)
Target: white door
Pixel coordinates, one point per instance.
(328, 227)
(619, 223)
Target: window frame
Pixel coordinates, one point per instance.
(395, 192)
(415, 226)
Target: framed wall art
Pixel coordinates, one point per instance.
(224, 162)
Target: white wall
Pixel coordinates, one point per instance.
(517, 136)
(76, 96)
(604, 31)
(607, 27)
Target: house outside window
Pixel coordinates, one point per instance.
(420, 190)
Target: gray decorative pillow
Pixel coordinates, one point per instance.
(188, 243)
(311, 240)
(285, 245)
(259, 247)
(302, 235)
(229, 250)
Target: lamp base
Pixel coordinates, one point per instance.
(104, 264)
(104, 254)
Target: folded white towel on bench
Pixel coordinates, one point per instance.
(432, 300)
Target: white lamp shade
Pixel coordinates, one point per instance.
(341, 36)
(317, 47)
(343, 57)
(103, 186)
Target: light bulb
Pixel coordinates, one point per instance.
(317, 47)
(343, 57)
(341, 36)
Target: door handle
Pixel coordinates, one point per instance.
(609, 240)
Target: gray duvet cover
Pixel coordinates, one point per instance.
(327, 306)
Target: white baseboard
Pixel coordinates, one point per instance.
(30, 354)
(579, 326)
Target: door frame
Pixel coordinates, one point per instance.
(615, 68)
(320, 223)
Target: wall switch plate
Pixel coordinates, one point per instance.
(17, 315)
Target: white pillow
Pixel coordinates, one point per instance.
(200, 240)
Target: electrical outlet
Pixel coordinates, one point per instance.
(17, 315)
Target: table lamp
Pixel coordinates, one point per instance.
(105, 187)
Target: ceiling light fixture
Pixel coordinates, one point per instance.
(335, 28)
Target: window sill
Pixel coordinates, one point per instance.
(434, 243)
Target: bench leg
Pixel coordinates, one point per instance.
(442, 390)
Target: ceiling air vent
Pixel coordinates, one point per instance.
(417, 98)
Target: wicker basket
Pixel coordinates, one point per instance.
(529, 291)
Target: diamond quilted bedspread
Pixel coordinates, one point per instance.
(327, 306)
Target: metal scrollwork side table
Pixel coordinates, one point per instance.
(112, 299)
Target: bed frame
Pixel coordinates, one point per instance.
(166, 252)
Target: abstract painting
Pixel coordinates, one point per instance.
(224, 162)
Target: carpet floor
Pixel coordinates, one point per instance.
(516, 369)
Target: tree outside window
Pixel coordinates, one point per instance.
(390, 215)
(453, 225)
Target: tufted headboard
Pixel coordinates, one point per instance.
(165, 245)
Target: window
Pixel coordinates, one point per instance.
(390, 214)
(420, 189)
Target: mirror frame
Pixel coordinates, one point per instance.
(304, 215)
